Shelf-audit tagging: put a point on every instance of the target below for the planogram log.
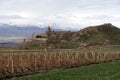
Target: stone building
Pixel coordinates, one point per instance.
(39, 37)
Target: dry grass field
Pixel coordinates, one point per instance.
(23, 62)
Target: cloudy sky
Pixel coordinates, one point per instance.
(77, 13)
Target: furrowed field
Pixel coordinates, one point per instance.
(22, 62)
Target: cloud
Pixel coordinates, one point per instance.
(61, 12)
(10, 17)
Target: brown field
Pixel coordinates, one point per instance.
(23, 62)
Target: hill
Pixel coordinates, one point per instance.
(93, 35)
(101, 34)
(105, 34)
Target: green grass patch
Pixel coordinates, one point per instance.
(103, 71)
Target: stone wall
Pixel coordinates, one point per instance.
(27, 40)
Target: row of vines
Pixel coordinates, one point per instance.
(21, 64)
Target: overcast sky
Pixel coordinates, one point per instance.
(77, 13)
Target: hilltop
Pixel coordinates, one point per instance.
(100, 34)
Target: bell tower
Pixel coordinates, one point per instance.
(48, 30)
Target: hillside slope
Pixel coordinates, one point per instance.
(101, 33)
(105, 34)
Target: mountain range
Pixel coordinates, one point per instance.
(25, 30)
(19, 30)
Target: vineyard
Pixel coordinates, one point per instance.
(18, 63)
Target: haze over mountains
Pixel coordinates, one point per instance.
(20, 30)
(24, 30)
